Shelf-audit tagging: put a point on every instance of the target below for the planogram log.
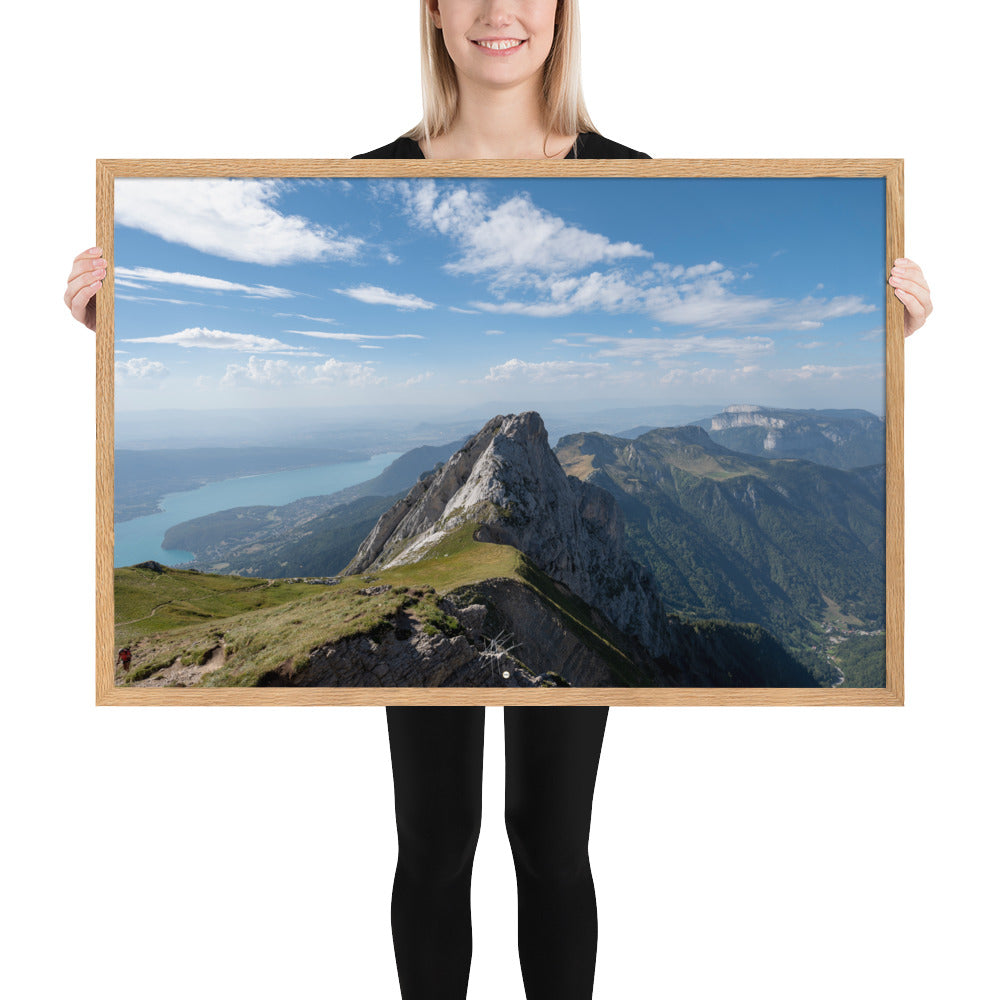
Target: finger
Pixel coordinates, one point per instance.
(913, 305)
(86, 265)
(82, 281)
(92, 252)
(85, 255)
(913, 287)
(905, 268)
(78, 303)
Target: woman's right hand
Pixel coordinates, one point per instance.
(85, 278)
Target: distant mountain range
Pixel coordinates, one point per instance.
(844, 439)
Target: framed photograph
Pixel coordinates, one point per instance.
(376, 432)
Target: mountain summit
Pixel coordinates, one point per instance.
(509, 482)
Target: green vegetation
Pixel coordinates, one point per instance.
(862, 660)
(277, 632)
(783, 543)
(240, 540)
(183, 617)
(148, 601)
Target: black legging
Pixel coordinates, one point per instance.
(552, 753)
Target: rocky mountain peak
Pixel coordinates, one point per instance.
(508, 481)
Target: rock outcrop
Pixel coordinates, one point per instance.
(406, 655)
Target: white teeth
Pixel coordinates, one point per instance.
(500, 45)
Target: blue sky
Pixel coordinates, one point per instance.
(444, 292)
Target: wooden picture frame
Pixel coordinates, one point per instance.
(888, 171)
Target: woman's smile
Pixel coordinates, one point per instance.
(498, 46)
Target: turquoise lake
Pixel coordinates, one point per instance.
(140, 539)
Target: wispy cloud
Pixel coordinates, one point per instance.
(422, 377)
(140, 370)
(544, 371)
(608, 291)
(272, 373)
(312, 319)
(327, 335)
(376, 296)
(835, 373)
(155, 298)
(219, 340)
(232, 218)
(154, 276)
(708, 376)
(698, 295)
(664, 349)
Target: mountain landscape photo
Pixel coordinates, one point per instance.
(540, 472)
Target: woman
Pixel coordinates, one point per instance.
(501, 79)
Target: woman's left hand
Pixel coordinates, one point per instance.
(910, 286)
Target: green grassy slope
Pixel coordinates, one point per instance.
(181, 617)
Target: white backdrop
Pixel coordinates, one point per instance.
(153, 853)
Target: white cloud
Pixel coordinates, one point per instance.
(834, 373)
(663, 349)
(812, 345)
(312, 319)
(269, 372)
(151, 274)
(325, 335)
(373, 295)
(494, 333)
(509, 239)
(350, 372)
(139, 370)
(690, 296)
(154, 298)
(468, 312)
(544, 371)
(515, 244)
(232, 218)
(414, 379)
(608, 291)
(221, 340)
(708, 376)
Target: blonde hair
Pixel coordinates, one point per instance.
(565, 112)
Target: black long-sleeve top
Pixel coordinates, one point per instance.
(588, 146)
